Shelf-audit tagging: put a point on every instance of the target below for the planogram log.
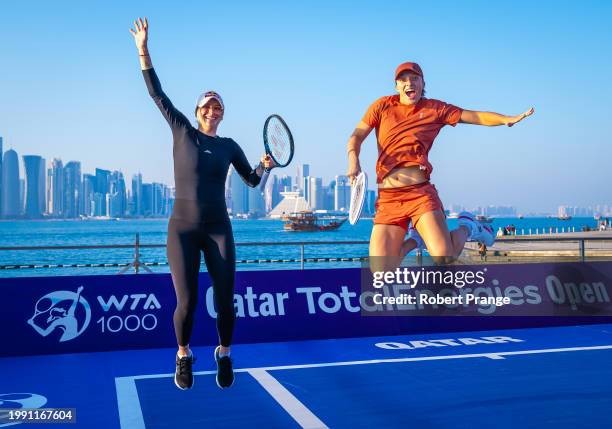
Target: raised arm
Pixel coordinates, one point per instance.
(141, 35)
(492, 119)
(354, 148)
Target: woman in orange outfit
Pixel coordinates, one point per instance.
(406, 125)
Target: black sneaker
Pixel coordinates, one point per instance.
(183, 376)
(225, 373)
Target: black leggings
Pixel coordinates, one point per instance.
(185, 242)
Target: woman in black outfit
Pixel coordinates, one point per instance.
(199, 220)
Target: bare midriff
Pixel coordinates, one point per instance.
(404, 176)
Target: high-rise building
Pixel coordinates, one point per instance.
(328, 195)
(499, 211)
(270, 189)
(342, 193)
(89, 185)
(169, 197)
(114, 204)
(55, 188)
(34, 197)
(305, 188)
(117, 195)
(562, 211)
(102, 181)
(99, 204)
(48, 202)
(239, 194)
(147, 199)
(22, 193)
(315, 193)
(302, 172)
(10, 185)
(159, 199)
(575, 211)
(257, 206)
(103, 186)
(274, 197)
(137, 194)
(285, 184)
(72, 189)
(228, 190)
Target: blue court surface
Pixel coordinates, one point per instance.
(525, 378)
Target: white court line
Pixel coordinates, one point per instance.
(495, 356)
(130, 414)
(302, 415)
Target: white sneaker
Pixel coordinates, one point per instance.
(479, 231)
(414, 234)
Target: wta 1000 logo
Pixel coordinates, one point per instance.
(68, 314)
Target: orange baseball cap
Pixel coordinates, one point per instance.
(413, 67)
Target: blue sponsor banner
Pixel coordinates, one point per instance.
(544, 289)
(98, 313)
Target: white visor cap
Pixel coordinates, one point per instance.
(210, 95)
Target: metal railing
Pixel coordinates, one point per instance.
(137, 264)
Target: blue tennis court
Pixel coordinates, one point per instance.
(557, 377)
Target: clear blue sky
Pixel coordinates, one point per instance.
(71, 87)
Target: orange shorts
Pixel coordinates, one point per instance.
(399, 206)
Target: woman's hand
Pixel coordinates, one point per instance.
(354, 169)
(267, 162)
(515, 119)
(141, 35)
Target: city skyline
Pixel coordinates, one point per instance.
(53, 189)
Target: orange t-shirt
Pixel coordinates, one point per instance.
(405, 133)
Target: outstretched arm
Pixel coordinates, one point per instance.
(354, 148)
(492, 119)
(176, 119)
(141, 37)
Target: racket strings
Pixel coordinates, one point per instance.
(279, 141)
(357, 199)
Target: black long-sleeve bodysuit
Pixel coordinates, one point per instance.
(199, 220)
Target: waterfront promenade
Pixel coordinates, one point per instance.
(552, 247)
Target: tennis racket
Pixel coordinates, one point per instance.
(278, 143)
(358, 192)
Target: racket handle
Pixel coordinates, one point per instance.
(264, 179)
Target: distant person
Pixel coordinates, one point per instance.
(406, 126)
(482, 250)
(199, 221)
